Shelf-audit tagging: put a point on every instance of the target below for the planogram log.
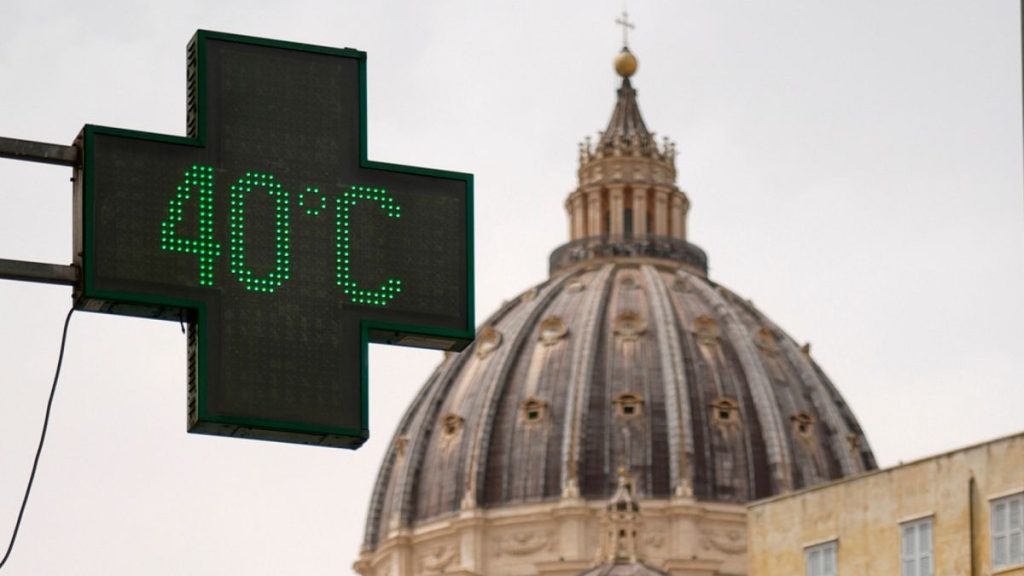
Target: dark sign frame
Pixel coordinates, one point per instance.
(92, 293)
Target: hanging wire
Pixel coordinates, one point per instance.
(42, 438)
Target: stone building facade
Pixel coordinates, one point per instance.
(961, 513)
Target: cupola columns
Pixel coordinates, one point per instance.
(627, 190)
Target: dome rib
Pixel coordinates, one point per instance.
(822, 394)
(429, 410)
(482, 437)
(762, 392)
(676, 386)
(821, 398)
(412, 420)
(579, 382)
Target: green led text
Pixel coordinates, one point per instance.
(198, 183)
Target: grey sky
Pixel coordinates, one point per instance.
(854, 168)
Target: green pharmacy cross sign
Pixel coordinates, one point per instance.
(269, 233)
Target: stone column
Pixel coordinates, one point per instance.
(661, 211)
(686, 212)
(579, 213)
(676, 216)
(639, 212)
(572, 515)
(470, 526)
(617, 209)
(594, 213)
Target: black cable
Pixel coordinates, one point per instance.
(42, 438)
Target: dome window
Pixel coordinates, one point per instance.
(681, 285)
(628, 405)
(706, 329)
(533, 410)
(725, 411)
(401, 443)
(803, 423)
(629, 325)
(765, 340)
(854, 441)
(451, 425)
(487, 341)
(575, 286)
(629, 283)
(552, 329)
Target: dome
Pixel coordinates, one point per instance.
(618, 360)
(628, 360)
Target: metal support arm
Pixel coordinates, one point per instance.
(38, 151)
(48, 154)
(41, 272)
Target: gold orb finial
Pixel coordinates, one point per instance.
(625, 63)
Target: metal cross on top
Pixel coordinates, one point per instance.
(272, 236)
(626, 27)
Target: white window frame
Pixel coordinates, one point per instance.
(916, 547)
(1007, 529)
(822, 559)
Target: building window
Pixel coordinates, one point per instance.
(487, 341)
(725, 410)
(451, 425)
(803, 423)
(629, 325)
(628, 405)
(533, 411)
(916, 547)
(1008, 531)
(552, 329)
(821, 559)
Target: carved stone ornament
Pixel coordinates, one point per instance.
(438, 558)
(728, 540)
(765, 340)
(525, 543)
(487, 341)
(528, 295)
(451, 429)
(854, 441)
(653, 540)
(629, 325)
(706, 329)
(628, 282)
(552, 329)
(803, 424)
(401, 443)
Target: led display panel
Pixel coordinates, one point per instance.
(276, 241)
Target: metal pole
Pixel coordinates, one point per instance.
(38, 151)
(41, 272)
(38, 272)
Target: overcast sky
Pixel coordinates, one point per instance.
(855, 168)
